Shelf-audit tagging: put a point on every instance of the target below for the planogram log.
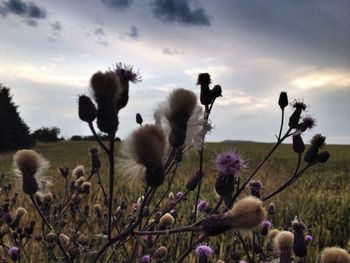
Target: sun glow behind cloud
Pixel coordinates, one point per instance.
(328, 79)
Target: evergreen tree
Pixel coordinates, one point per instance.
(14, 133)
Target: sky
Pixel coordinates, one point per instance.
(254, 49)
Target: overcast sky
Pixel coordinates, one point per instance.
(254, 49)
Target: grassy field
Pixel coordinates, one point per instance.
(321, 198)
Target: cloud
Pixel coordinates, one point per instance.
(168, 51)
(99, 32)
(56, 27)
(214, 71)
(179, 11)
(327, 79)
(32, 23)
(134, 32)
(28, 10)
(117, 4)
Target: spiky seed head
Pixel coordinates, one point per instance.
(283, 100)
(308, 122)
(318, 141)
(335, 255)
(284, 240)
(29, 163)
(147, 146)
(87, 109)
(248, 213)
(78, 171)
(79, 181)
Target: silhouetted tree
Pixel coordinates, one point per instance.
(14, 133)
(47, 134)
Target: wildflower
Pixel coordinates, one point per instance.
(87, 109)
(283, 100)
(317, 143)
(228, 164)
(203, 206)
(179, 195)
(299, 243)
(247, 214)
(271, 208)
(106, 89)
(95, 160)
(14, 253)
(30, 165)
(298, 144)
(145, 259)
(308, 239)
(160, 252)
(308, 122)
(335, 255)
(298, 106)
(255, 187)
(166, 221)
(146, 147)
(139, 119)
(194, 180)
(266, 224)
(284, 243)
(203, 252)
(78, 171)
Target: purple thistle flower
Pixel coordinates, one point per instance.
(204, 250)
(242, 261)
(202, 206)
(146, 259)
(14, 253)
(229, 162)
(126, 72)
(266, 223)
(308, 238)
(255, 184)
(179, 195)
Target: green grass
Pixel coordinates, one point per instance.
(321, 198)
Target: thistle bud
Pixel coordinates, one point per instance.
(323, 157)
(160, 252)
(139, 119)
(217, 91)
(194, 180)
(311, 155)
(298, 144)
(87, 109)
(283, 100)
(298, 106)
(299, 243)
(206, 96)
(95, 159)
(64, 171)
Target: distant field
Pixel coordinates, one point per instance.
(321, 198)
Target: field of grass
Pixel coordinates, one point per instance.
(321, 198)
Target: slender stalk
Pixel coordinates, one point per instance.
(91, 126)
(50, 227)
(281, 128)
(168, 231)
(240, 190)
(111, 183)
(238, 234)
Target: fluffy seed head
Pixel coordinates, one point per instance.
(29, 164)
(284, 240)
(272, 234)
(318, 141)
(86, 188)
(308, 122)
(204, 250)
(147, 146)
(160, 252)
(166, 220)
(178, 110)
(78, 171)
(335, 255)
(20, 211)
(98, 210)
(247, 213)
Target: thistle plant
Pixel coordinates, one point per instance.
(79, 225)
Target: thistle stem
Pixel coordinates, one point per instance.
(91, 126)
(111, 183)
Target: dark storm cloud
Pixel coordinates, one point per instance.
(56, 26)
(179, 11)
(117, 4)
(28, 10)
(321, 26)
